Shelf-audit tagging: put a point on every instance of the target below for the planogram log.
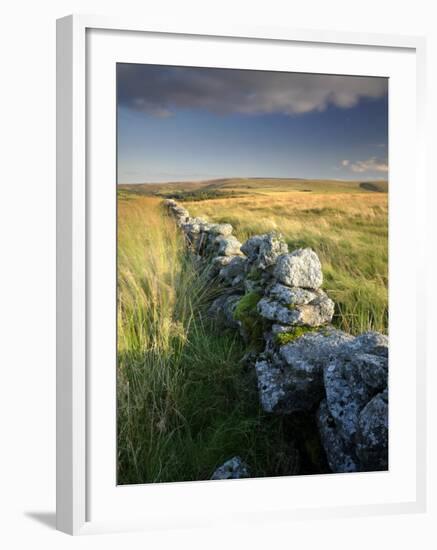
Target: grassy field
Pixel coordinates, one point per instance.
(186, 402)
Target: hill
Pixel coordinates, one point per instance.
(239, 187)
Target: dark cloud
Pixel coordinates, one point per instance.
(160, 90)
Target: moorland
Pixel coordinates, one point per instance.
(185, 399)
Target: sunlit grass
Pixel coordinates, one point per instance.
(185, 402)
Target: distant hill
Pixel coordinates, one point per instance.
(237, 187)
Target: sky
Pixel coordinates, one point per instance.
(187, 123)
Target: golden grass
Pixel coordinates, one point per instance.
(349, 231)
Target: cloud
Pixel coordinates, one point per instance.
(372, 164)
(161, 90)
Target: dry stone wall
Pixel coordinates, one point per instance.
(273, 297)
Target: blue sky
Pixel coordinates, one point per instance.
(177, 124)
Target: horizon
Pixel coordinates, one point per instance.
(202, 180)
(187, 124)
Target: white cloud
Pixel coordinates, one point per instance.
(372, 164)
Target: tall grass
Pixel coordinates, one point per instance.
(185, 401)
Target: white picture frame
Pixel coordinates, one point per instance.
(74, 344)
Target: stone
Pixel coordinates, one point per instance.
(227, 246)
(191, 227)
(232, 274)
(371, 342)
(301, 268)
(352, 377)
(355, 380)
(274, 311)
(224, 229)
(340, 458)
(263, 250)
(291, 296)
(292, 379)
(251, 247)
(195, 226)
(373, 370)
(317, 313)
(272, 386)
(222, 310)
(346, 395)
(217, 264)
(372, 434)
(235, 468)
(180, 212)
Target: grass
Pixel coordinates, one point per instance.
(349, 232)
(185, 401)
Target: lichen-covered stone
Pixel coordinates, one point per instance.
(224, 229)
(341, 459)
(262, 251)
(235, 468)
(314, 350)
(301, 268)
(373, 370)
(217, 263)
(251, 247)
(352, 377)
(370, 342)
(274, 311)
(291, 296)
(272, 386)
(180, 212)
(232, 274)
(318, 312)
(359, 418)
(292, 379)
(346, 395)
(372, 434)
(227, 246)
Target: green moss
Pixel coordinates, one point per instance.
(295, 333)
(246, 306)
(254, 274)
(246, 312)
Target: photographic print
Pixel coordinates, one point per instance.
(252, 274)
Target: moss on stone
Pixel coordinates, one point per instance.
(296, 332)
(246, 306)
(247, 314)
